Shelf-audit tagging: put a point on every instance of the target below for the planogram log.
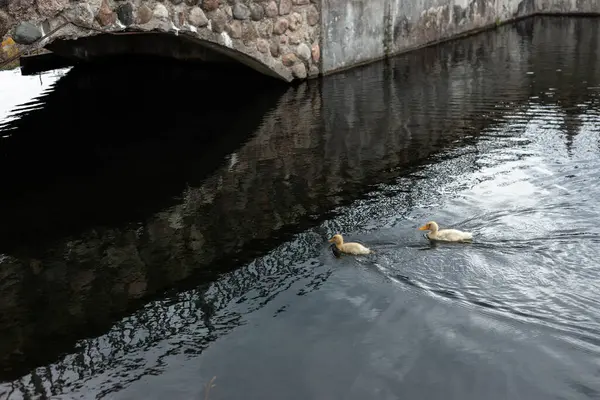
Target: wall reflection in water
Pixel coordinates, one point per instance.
(131, 181)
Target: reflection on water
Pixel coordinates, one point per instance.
(229, 198)
(17, 91)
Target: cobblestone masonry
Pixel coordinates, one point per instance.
(283, 35)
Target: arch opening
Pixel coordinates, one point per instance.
(158, 44)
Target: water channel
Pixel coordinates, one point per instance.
(163, 225)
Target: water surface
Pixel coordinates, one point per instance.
(151, 242)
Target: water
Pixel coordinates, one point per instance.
(162, 226)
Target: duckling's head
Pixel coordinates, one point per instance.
(430, 226)
(337, 239)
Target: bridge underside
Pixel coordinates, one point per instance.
(157, 44)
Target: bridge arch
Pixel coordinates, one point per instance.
(277, 38)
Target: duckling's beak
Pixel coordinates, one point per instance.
(423, 228)
(330, 240)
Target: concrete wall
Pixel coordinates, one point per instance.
(567, 6)
(360, 31)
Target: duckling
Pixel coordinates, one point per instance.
(446, 235)
(348, 248)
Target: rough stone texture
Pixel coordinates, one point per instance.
(257, 12)
(295, 21)
(197, 17)
(180, 19)
(105, 14)
(160, 12)
(49, 8)
(285, 7)
(81, 13)
(265, 29)
(235, 29)
(210, 5)
(271, 9)
(299, 71)
(303, 52)
(249, 33)
(262, 45)
(218, 21)
(274, 49)
(280, 26)
(289, 59)
(312, 16)
(22, 9)
(241, 11)
(125, 14)
(315, 52)
(5, 22)
(27, 33)
(295, 38)
(144, 15)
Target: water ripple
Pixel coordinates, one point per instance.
(232, 276)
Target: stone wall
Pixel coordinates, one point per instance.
(281, 35)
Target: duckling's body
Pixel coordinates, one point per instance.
(446, 235)
(348, 248)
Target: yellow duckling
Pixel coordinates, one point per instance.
(446, 235)
(348, 248)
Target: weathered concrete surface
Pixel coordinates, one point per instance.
(356, 32)
(567, 6)
(275, 37)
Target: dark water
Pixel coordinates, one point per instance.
(161, 226)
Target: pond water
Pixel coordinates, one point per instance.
(164, 225)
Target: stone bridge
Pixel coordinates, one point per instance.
(287, 39)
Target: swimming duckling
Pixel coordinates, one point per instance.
(348, 248)
(446, 235)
